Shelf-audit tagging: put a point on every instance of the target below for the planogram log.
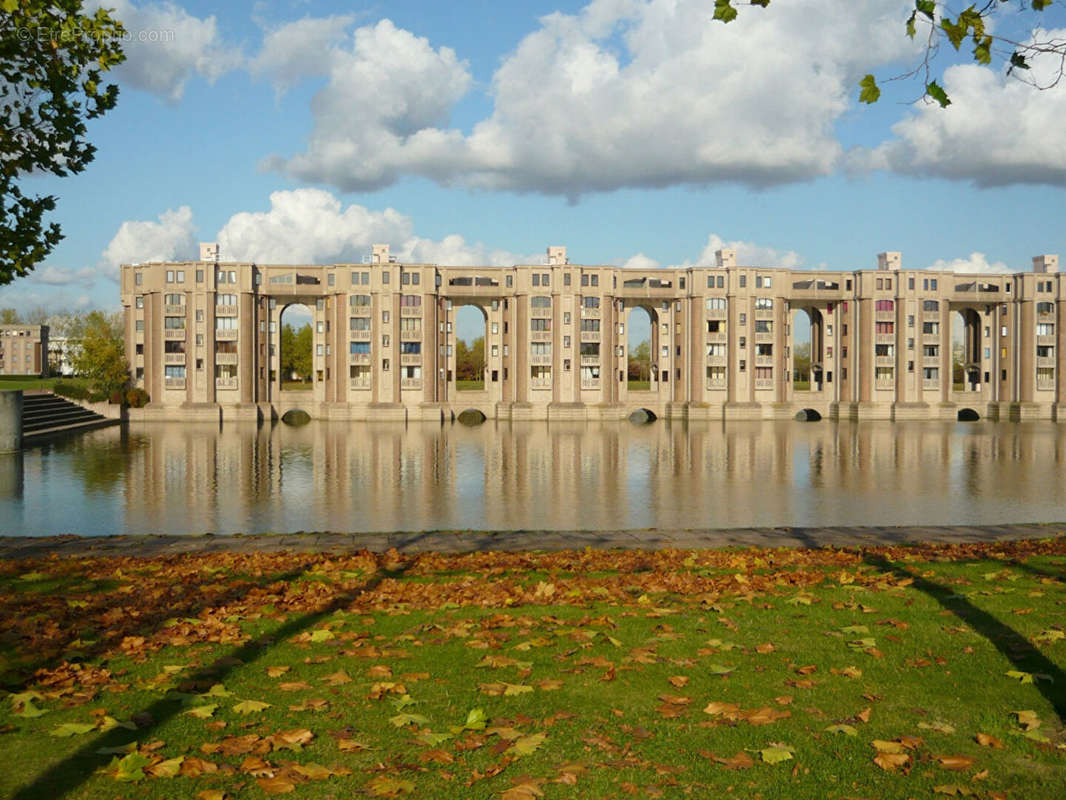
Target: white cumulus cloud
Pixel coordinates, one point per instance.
(171, 237)
(749, 254)
(975, 263)
(165, 46)
(297, 50)
(626, 93)
(998, 129)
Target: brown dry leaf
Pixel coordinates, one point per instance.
(550, 684)
(338, 678)
(678, 681)
(740, 761)
(986, 740)
(379, 671)
(783, 699)
(278, 671)
(864, 715)
(316, 772)
(716, 708)
(1027, 719)
(956, 763)
(765, 715)
(885, 746)
(891, 761)
(436, 756)
(294, 686)
(389, 786)
(351, 746)
(193, 767)
(765, 648)
(211, 794)
(525, 788)
(294, 739)
(806, 670)
(277, 785)
(257, 767)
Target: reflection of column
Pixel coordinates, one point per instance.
(12, 475)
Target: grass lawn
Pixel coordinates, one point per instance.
(801, 386)
(639, 386)
(889, 673)
(296, 386)
(469, 386)
(12, 383)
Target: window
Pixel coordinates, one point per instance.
(411, 348)
(405, 278)
(411, 324)
(590, 325)
(1045, 308)
(359, 324)
(385, 362)
(766, 349)
(536, 279)
(540, 324)
(331, 279)
(764, 302)
(910, 320)
(931, 350)
(541, 348)
(385, 340)
(181, 276)
(385, 279)
(764, 326)
(716, 304)
(930, 374)
(885, 305)
(930, 328)
(139, 303)
(1042, 329)
(509, 281)
(358, 300)
(595, 280)
(138, 278)
(540, 301)
(566, 282)
(540, 375)
(566, 341)
(743, 281)
(225, 299)
(716, 375)
(385, 317)
(590, 302)
(359, 348)
(932, 284)
(200, 315)
(743, 319)
(885, 327)
(178, 323)
(584, 279)
(410, 300)
(174, 371)
(764, 373)
(170, 276)
(716, 350)
(416, 278)
(566, 318)
(930, 305)
(320, 327)
(590, 349)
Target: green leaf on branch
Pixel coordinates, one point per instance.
(955, 31)
(870, 92)
(1017, 61)
(763, 3)
(724, 11)
(935, 91)
(911, 29)
(927, 7)
(982, 51)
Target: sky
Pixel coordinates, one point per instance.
(634, 132)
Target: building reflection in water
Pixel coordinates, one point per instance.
(188, 478)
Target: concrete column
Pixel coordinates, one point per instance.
(10, 421)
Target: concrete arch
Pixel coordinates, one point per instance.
(808, 415)
(968, 415)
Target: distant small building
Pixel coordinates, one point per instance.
(24, 350)
(61, 353)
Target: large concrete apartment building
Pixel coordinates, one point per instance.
(24, 350)
(203, 338)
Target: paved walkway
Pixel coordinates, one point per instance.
(468, 541)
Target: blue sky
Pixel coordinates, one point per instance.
(632, 131)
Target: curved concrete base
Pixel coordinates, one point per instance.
(10, 421)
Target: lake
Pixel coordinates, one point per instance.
(178, 478)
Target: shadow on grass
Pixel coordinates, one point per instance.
(1018, 650)
(79, 766)
(149, 619)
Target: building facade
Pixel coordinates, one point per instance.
(24, 350)
(203, 338)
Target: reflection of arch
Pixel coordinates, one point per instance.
(309, 379)
(808, 415)
(968, 415)
(470, 366)
(807, 356)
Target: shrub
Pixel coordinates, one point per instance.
(96, 396)
(115, 398)
(71, 390)
(137, 397)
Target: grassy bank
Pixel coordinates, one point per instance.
(9, 383)
(884, 673)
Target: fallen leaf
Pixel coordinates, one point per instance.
(986, 740)
(389, 786)
(776, 753)
(891, 761)
(250, 706)
(956, 763)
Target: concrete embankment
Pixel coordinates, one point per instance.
(12, 547)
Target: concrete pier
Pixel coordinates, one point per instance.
(10, 421)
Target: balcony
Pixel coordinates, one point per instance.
(410, 383)
(885, 361)
(764, 313)
(225, 336)
(930, 383)
(225, 383)
(359, 336)
(173, 358)
(1045, 361)
(884, 316)
(540, 336)
(716, 384)
(885, 338)
(174, 383)
(590, 361)
(717, 338)
(715, 313)
(764, 383)
(717, 361)
(411, 311)
(590, 383)
(590, 336)
(931, 361)
(225, 311)
(1046, 339)
(590, 313)
(175, 334)
(359, 385)
(174, 311)
(536, 311)
(540, 383)
(225, 358)
(410, 359)
(359, 358)
(540, 361)
(764, 361)
(407, 336)
(764, 336)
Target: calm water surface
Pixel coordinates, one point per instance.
(182, 478)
